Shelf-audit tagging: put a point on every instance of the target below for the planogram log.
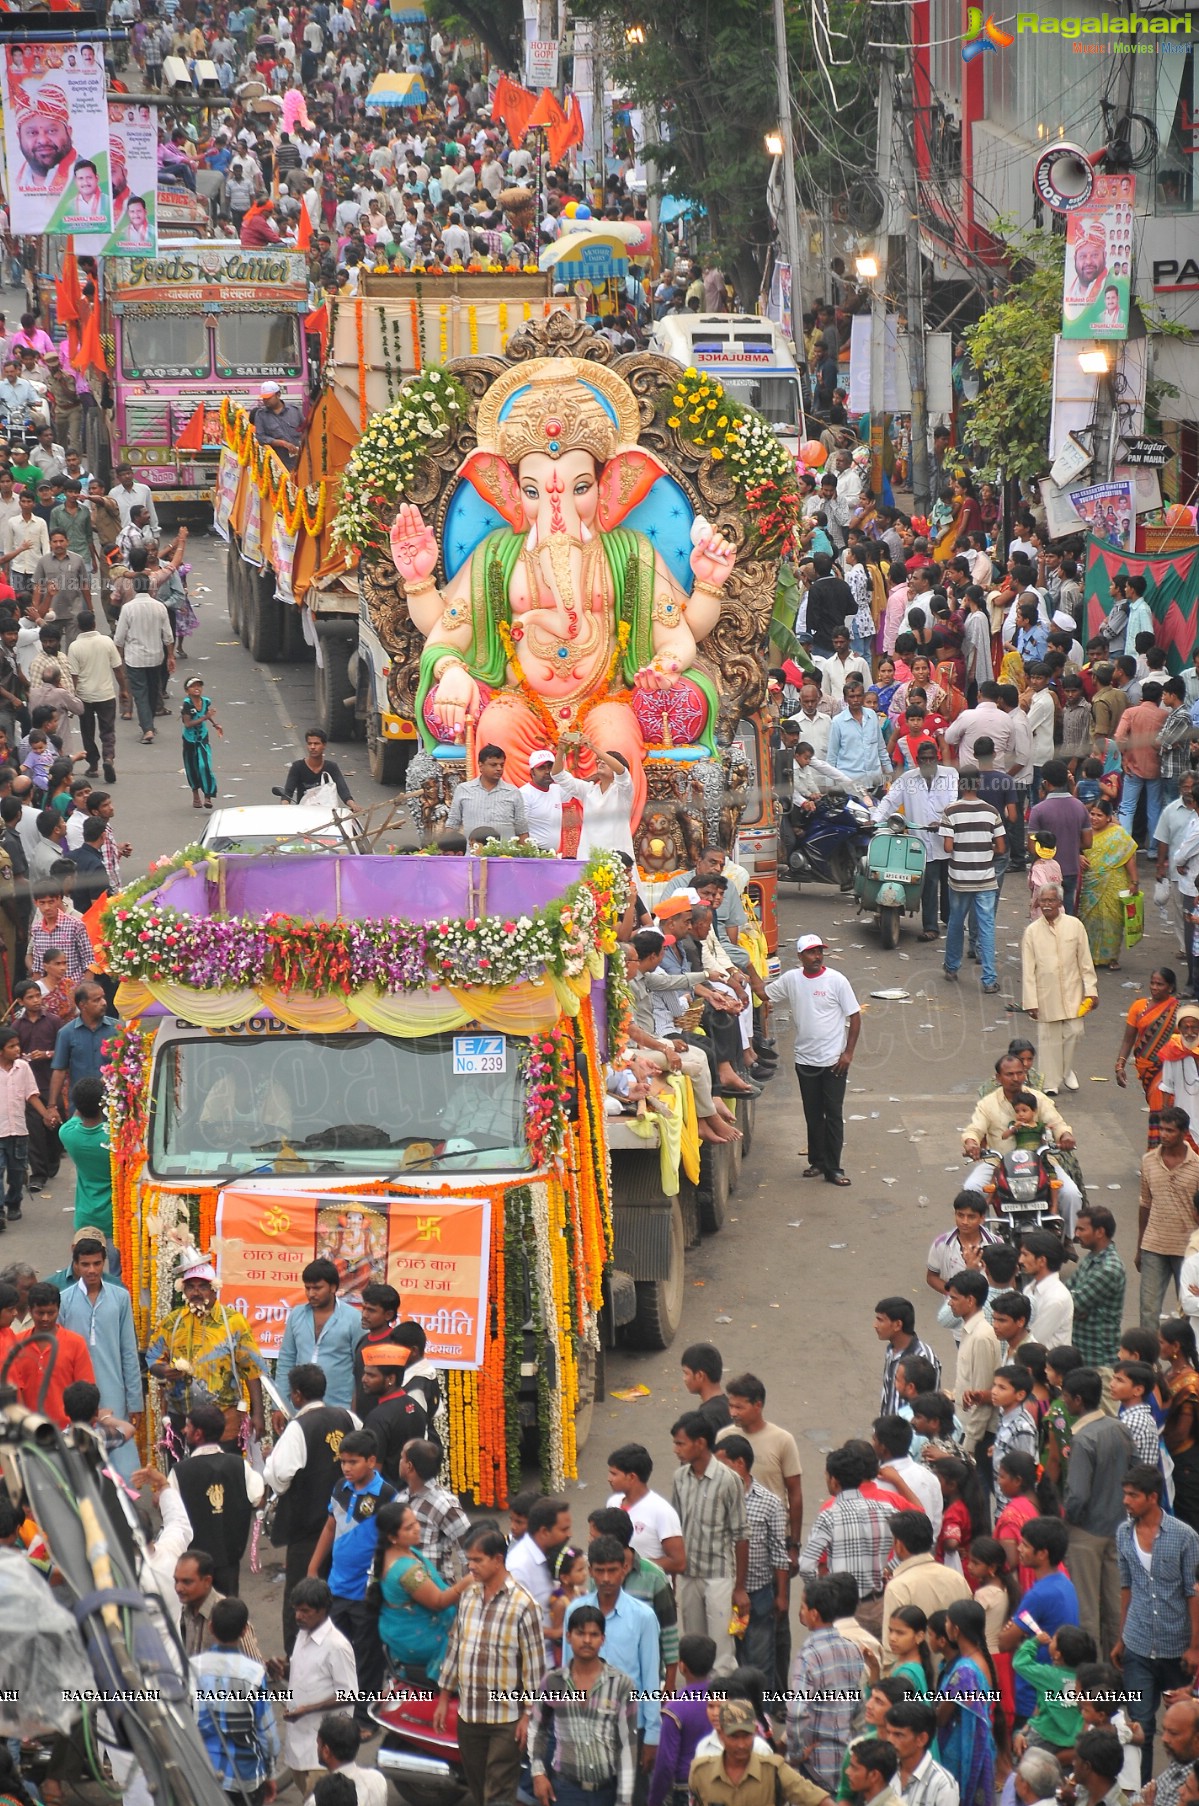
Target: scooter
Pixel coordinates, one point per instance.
(890, 877)
(423, 1763)
(831, 840)
(1023, 1190)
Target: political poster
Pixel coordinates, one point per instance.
(435, 1251)
(224, 494)
(56, 139)
(1099, 252)
(133, 163)
(1107, 512)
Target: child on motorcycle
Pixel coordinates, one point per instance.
(1027, 1131)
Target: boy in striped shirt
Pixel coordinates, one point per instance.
(974, 839)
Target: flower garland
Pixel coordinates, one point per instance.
(300, 506)
(149, 940)
(126, 1075)
(762, 471)
(360, 333)
(545, 1092)
(417, 347)
(384, 462)
(604, 692)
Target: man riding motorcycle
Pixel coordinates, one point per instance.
(994, 1113)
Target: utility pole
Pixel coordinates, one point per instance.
(921, 475)
(878, 295)
(790, 193)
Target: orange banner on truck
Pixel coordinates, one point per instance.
(434, 1252)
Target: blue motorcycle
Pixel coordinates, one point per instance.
(829, 842)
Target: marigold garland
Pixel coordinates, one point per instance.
(298, 505)
(360, 333)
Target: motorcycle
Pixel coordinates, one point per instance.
(831, 839)
(1023, 1190)
(423, 1763)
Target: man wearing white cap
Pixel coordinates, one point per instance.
(543, 802)
(277, 422)
(827, 1020)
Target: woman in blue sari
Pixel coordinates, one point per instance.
(965, 1737)
(416, 1606)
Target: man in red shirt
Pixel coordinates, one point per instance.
(258, 229)
(71, 1359)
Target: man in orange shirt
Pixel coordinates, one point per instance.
(71, 1359)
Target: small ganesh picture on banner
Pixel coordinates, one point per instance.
(354, 1238)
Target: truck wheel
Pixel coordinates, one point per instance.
(591, 1390)
(331, 685)
(296, 650)
(233, 589)
(745, 1122)
(888, 927)
(386, 758)
(264, 620)
(716, 1168)
(660, 1301)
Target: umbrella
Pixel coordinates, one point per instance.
(590, 256)
(397, 90)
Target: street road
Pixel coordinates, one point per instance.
(787, 1289)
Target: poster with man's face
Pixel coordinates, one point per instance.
(56, 139)
(1095, 297)
(133, 148)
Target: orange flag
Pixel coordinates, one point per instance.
(513, 105)
(90, 355)
(192, 436)
(560, 136)
(68, 294)
(318, 322)
(547, 111)
(304, 230)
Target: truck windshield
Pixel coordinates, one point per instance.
(358, 1103)
(775, 397)
(267, 344)
(165, 344)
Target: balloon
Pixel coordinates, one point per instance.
(813, 453)
(582, 211)
(1178, 516)
(570, 209)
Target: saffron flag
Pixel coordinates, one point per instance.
(560, 138)
(68, 295)
(546, 113)
(192, 436)
(90, 355)
(304, 229)
(1173, 594)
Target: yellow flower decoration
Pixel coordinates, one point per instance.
(716, 452)
(723, 421)
(674, 420)
(694, 419)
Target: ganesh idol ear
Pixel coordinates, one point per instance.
(627, 479)
(496, 482)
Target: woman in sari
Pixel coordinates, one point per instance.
(1011, 670)
(416, 1606)
(943, 525)
(988, 507)
(1182, 1412)
(955, 698)
(965, 1737)
(1149, 1025)
(968, 516)
(921, 679)
(1111, 867)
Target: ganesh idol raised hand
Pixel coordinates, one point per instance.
(563, 618)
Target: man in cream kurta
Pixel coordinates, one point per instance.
(1059, 975)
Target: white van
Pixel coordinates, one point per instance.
(753, 358)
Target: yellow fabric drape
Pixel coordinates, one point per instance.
(515, 1012)
(321, 1015)
(210, 1009)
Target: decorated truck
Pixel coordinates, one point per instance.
(419, 1094)
(292, 590)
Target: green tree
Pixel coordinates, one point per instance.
(1012, 350)
(498, 25)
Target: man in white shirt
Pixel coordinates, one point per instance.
(1052, 1320)
(322, 1662)
(841, 666)
(456, 239)
(129, 495)
(921, 797)
(543, 801)
(827, 1022)
(530, 1561)
(1040, 713)
(657, 1529)
(892, 1439)
(813, 721)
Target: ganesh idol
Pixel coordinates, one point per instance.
(562, 621)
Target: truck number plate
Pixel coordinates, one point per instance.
(480, 1053)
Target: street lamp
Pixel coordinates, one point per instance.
(634, 34)
(774, 144)
(866, 267)
(1095, 362)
